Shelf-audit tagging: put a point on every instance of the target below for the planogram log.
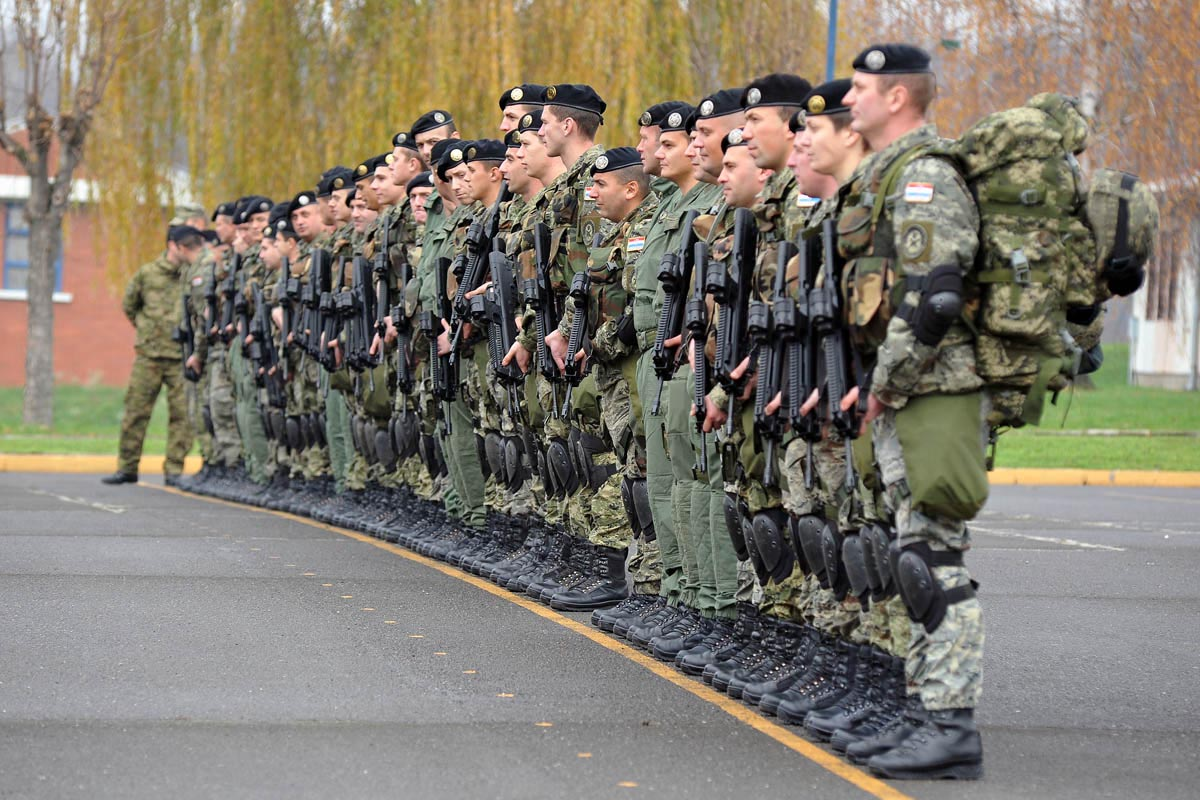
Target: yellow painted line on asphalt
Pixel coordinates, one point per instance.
(1017, 476)
(847, 772)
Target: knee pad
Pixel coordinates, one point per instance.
(515, 471)
(277, 422)
(881, 537)
(923, 596)
(485, 464)
(370, 429)
(641, 504)
(831, 554)
(771, 541)
(808, 530)
(384, 451)
(756, 561)
(295, 438)
(584, 449)
(307, 435)
(409, 429)
(561, 468)
(319, 429)
(493, 450)
(427, 449)
(854, 562)
(733, 526)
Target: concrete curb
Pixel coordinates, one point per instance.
(63, 463)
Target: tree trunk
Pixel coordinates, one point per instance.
(45, 242)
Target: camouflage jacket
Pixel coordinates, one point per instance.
(196, 279)
(930, 221)
(152, 304)
(574, 220)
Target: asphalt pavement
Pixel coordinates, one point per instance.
(156, 645)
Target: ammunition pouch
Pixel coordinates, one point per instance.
(940, 305)
(734, 513)
(831, 553)
(561, 469)
(584, 449)
(808, 531)
(771, 542)
(515, 472)
(493, 451)
(854, 562)
(922, 593)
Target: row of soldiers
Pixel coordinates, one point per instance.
(690, 385)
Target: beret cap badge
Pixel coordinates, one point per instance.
(675, 120)
(527, 119)
(439, 117)
(706, 108)
(875, 59)
(471, 153)
(362, 170)
(516, 94)
(338, 183)
(735, 136)
(753, 96)
(602, 162)
(645, 119)
(551, 92)
(816, 105)
(456, 154)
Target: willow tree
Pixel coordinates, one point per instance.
(66, 50)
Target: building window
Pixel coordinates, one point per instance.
(16, 250)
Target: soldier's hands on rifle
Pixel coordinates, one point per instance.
(481, 289)
(390, 333)
(193, 363)
(522, 356)
(443, 339)
(249, 340)
(875, 407)
(558, 347)
(714, 416)
(737, 374)
(277, 317)
(336, 347)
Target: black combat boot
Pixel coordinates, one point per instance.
(645, 628)
(745, 661)
(622, 625)
(578, 569)
(553, 558)
(866, 692)
(827, 689)
(605, 587)
(632, 606)
(720, 643)
(687, 633)
(789, 662)
(946, 745)
(889, 734)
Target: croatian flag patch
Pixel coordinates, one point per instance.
(635, 244)
(918, 193)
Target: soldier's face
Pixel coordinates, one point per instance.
(269, 253)
(386, 190)
(367, 194)
(512, 116)
(513, 170)
(326, 211)
(767, 135)
(647, 146)
(533, 152)
(254, 228)
(224, 228)
(825, 146)
(709, 133)
(869, 106)
(338, 207)
(482, 177)
(361, 215)
(694, 157)
(307, 221)
(418, 198)
(401, 168)
(426, 140)
(740, 180)
(553, 132)
(612, 196)
(672, 156)
(460, 183)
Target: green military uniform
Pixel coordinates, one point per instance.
(195, 278)
(227, 444)
(151, 303)
(245, 389)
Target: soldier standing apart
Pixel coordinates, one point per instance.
(152, 305)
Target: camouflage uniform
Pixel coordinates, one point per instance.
(305, 395)
(241, 373)
(152, 303)
(195, 277)
(339, 400)
(227, 444)
(932, 221)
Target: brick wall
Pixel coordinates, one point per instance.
(93, 342)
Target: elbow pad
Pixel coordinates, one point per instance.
(940, 305)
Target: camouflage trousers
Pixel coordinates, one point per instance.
(305, 397)
(149, 375)
(249, 421)
(197, 401)
(945, 666)
(227, 444)
(496, 418)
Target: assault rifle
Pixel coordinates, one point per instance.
(403, 325)
(185, 334)
(331, 293)
(732, 290)
(480, 236)
(540, 296)
(228, 298)
(262, 352)
(772, 327)
(287, 304)
(696, 320)
(573, 371)
(675, 274)
(443, 371)
(825, 305)
(382, 272)
(498, 309)
(803, 358)
(210, 303)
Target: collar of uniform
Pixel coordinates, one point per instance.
(584, 165)
(888, 155)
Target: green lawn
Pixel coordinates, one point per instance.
(87, 420)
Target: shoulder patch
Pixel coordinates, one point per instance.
(918, 192)
(635, 244)
(196, 281)
(804, 201)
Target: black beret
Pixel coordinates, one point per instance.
(366, 169)
(406, 140)
(278, 220)
(796, 121)
(178, 233)
(530, 122)
(439, 149)
(211, 237)
(574, 95)
(718, 104)
(676, 118)
(225, 209)
(301, 200)
(251, 205)
(451, 156)
(617, 158)
(430, 120)
(334, 178)
(422, 179)
(892, 59)
(484, 150)
(656, 114)
(824, 100)
(513, 138)
(732, 139)
(776, 89)
(525, 94)
(689, 124)
(350, 195)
